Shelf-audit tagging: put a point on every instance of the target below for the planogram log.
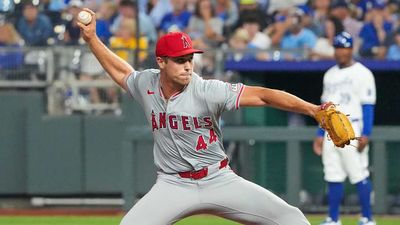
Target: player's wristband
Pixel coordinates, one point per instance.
(320, 132)
(368, 119)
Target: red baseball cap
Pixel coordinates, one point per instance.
(175, 44)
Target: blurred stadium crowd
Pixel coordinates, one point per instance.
(263, 30)
(238, 24)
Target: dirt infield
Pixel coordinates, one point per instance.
(62, 212)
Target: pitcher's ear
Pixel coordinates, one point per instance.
(161, 61)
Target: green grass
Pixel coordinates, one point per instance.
(194, 220)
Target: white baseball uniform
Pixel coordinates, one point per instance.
(187, 137)
(350, 88)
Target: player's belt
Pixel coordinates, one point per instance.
(198, 174)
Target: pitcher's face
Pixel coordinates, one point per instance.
(177, 69)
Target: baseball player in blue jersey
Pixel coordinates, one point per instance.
(183, 110)
(352, 86)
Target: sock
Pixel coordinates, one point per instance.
(364, 189)
(335, 195)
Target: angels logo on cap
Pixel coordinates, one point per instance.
(175, 44)
(185, 42)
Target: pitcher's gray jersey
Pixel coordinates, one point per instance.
(186, 128)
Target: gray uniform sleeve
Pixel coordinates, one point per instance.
(131, 83)
(222, 96)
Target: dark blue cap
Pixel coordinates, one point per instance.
(343, 40)
(339, 4)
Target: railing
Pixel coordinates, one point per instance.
(57, 70)
(292, 136)
(26, 67)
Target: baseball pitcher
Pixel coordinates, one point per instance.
(183, 112)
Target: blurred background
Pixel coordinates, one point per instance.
(70, 137)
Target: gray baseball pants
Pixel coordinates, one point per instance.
(222, 193)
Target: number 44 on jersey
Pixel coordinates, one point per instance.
(202, 142)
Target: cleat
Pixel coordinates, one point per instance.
(329, 221)
(365, 221)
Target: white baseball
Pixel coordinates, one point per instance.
(84, 17)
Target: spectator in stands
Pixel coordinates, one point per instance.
(340, 10)
(177, 20)
(316, 16)
(127, 9)
(124, 41)
(326, 27)
(206, 31)
(53, 9)
(295, 37)
(258, 39)
(34, 27)
(373, 34)
(394, 49)
(239, 46)
(157, 9)
(205, 28)
(393, 11)
(360, 8)
(252, 7)
(278, 28)
(333, 27)
(242, 48)
(72, 32)
(105, 17)
(227, 10)
(191, 5)
(323, 49)
(9, 37)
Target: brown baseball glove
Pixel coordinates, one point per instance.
(336, 124)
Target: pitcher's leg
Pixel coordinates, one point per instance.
(161, 205)
(242, 201)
